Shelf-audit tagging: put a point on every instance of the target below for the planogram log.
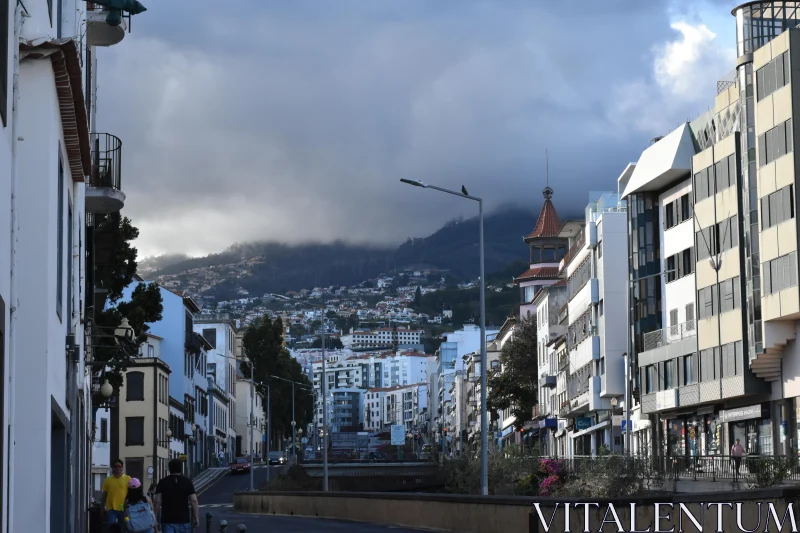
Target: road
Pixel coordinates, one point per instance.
(218, 500)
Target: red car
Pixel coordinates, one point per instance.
(241, 465)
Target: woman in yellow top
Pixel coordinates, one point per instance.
(115, 490)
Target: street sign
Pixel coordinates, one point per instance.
(149, 472)
(304, 440)
(398, 435)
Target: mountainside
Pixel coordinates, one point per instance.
(260, 268)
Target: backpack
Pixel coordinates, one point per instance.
(140, 517)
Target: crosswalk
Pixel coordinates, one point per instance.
(216, 505)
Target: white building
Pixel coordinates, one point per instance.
(245, 417)
(221, 335)
(382, 338)
(400, 404)
(596, 272)
(46, 414)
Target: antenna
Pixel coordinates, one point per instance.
(547, 192)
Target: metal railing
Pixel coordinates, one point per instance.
(727, 81)
(106, 161)
(701, 467)
(670, 334)
(580, 240)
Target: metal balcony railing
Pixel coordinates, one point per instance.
(670, 334)
(106, 161)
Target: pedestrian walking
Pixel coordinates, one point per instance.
(174, 493)
(737, 450)
(115, 490)
(139, 513)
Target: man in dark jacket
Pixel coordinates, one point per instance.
(173, 495)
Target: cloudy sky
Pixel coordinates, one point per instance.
(294, 120)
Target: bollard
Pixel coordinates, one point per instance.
(241, 528)
(223, 526)
(209, 517)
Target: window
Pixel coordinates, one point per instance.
(104, 430)
(670, 381)
(704, 184)
(134, 431)
(777, 207)
(772, 76)
(775, 143)
(69, 270)
(688, 370)
(4, 27)
(780, 273)
(210, 335)
(707, 366)
(669, 215)
(60, 236)
(134, 384)
(650, 379)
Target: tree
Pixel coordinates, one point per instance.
(417, 296)
(114, 272)
(262, 344)
(331, 343)
(516, 385)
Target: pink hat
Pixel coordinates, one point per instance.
(134, 483)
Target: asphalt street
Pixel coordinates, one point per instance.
(218, 500)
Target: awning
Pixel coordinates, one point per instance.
(591, 429)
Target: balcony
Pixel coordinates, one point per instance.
(563, 362)
(104, 189)
(669, 335)
(548, 380)
(101, 28)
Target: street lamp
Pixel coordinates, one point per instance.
(484, 429)
(106, 389)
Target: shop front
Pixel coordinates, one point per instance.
(752, 425)
(691, 435)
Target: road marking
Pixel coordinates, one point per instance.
(215, 505)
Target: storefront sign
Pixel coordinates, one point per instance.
(666, 399)
(583, 423)
(744, 413)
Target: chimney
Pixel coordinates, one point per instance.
(656, 139)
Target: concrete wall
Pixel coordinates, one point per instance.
(748, 511)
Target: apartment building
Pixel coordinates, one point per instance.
(549, 302)
(596, 293)
(713, 342)
(222, 363)
(50, 170)
(399, 404)
(383, 338)
(144, 414)
(245, 416)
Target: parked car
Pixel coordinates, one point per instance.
(277, 458)
(241, 465)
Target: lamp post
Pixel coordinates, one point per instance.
(484, 428)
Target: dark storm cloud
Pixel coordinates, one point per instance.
(293, 121)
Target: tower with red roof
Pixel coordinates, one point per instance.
(547, 251)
